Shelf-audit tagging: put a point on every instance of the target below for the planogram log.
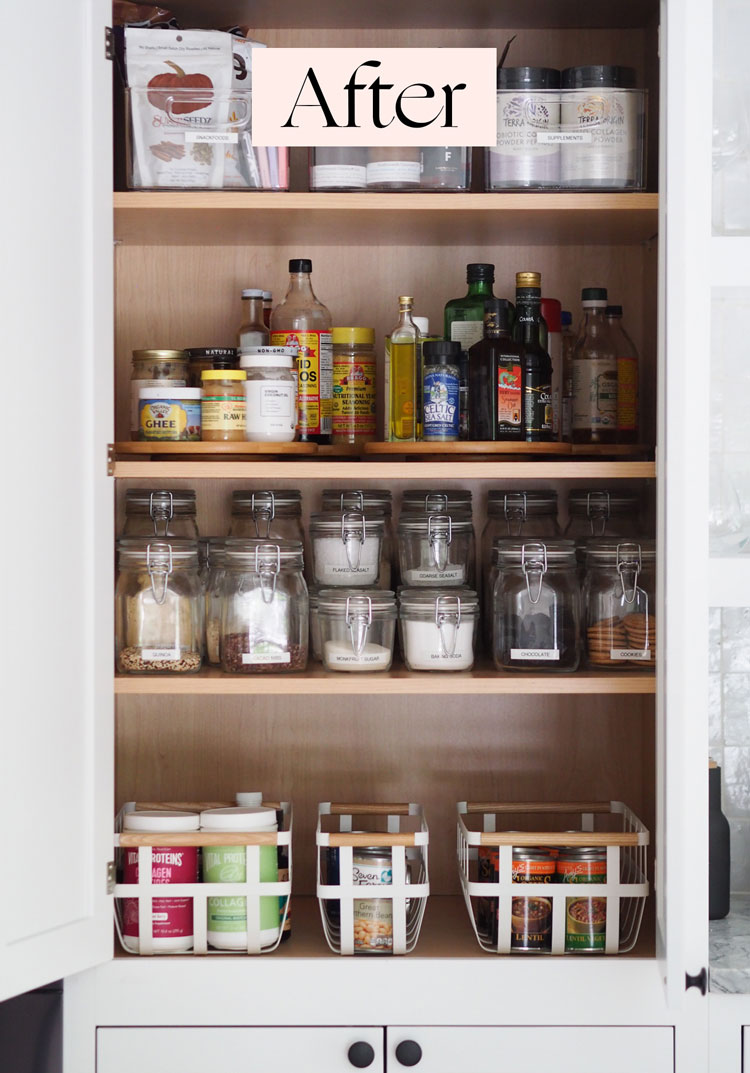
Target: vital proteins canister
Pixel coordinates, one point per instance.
(601, 119)
(527, 154)
(227, 917)
(172, 917)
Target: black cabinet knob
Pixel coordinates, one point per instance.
(408, 1052)
(361, 1054)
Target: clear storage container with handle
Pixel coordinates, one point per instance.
(357, 629)
(619, 601)
(436, 549)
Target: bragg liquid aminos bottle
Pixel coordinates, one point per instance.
(537, 367)
(304, 322)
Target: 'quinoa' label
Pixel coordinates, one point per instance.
(152, 655)
(535, 653)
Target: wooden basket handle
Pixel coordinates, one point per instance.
(539, 806)
(370, 810)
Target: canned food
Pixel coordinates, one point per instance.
(373, 917)
(531, 917)
(585, 918)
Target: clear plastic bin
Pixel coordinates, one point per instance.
(181, 138)
(445, 169)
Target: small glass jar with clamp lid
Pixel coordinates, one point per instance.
(536, 606)
(265, 614)
(357, 629)
(605, 514)
(159, 607)
(161, 512)
(369, 501)
(274, 514)
(436, 501)
(436, 549)
(438, 628)
(619, 604)
(346, 548)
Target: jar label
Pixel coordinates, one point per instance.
(314, 378)
(223, 413)
(456, 573)
(354, 401)
(627, 394)
(168, 419)
(467, 332)
(509, 395)
(333, 571)
(227, 864)
(393, 171)
(135, 399)
(535, 653)
(440, 406)
(266, 654)
(630, 653)
(334, 176)
(276, 400)
(563, 137)
(152, 655)
(522, 155)
(595, 393)
(172, 917)
(611, 154)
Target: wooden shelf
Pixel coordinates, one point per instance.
(229, 218)
(483, 680)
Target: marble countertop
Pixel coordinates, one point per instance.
(729, 946)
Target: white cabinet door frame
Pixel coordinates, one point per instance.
(56, 681)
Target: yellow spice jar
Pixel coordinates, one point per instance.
(223, 404)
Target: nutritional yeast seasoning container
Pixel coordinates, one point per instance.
(172, 917)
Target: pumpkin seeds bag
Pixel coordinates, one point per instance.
(179, 83)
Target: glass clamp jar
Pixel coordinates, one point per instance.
(369, 501)
(436, 549)
(265, 613)
(357, 629)
(159, 607)
(346, 548)
(619, 600)
(438, 628)
(154, 368)
(432, 501)
(209, 357)
(162, 512)
(273, 514)
(536, 606)
(603, 514)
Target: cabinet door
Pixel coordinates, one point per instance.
(56, 680)
(531, 1050)
(243, 1050)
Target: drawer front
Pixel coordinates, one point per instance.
(241, 1050)
(530, 1050)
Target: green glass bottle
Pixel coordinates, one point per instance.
(464, 324)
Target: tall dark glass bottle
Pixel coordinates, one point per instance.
(496, 378)
(464, 324)
(718, 848)
(529, 330)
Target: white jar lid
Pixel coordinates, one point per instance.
(258, 362)
(238, 819)
(249, 799)
(269, 351)
(179, 394)
(160, 821)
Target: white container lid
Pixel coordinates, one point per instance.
(160, 821)
(238, 819)
(252, 292)
(249, 799)
(267, 361)
(423, 325)
(179, 394)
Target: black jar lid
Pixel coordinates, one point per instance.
(441, 352)
(477, 272)
(528, 78)
(213, 353)
(300, 264)
(596, 75)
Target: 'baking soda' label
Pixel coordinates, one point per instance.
(535, 653)
(314, 378)
(153, 655)
(630, 653)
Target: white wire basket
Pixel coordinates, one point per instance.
(372, 876)
(147, 894)
(499, 902)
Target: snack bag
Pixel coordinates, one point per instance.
(179, 83)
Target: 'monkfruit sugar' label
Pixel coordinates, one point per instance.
(172, 917)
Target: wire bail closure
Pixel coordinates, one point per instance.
(598, 511)
(161, 509)
(439, 539)
(268, 571)
(447, 620)
(359, 620)
(534, 564)
(159, 568)
(264, 511)
(353, 532)
(514, 510)
(629, 562)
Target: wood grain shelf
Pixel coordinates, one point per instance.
(483, 680)
(228, 218)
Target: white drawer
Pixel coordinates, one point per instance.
(532, 1050)
(241, 1050)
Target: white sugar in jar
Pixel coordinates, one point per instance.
(271, 393)
(346, 548)
(357, 629)
(438, 628)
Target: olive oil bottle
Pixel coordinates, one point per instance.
(402, 375)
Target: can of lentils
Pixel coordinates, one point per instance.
(531, 916)
(585, 917)
(373, 917)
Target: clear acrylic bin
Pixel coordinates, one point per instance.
(140, 897)
(352, 170)
(372, 876)
(570, 139)
(195, 139)
(584, 890)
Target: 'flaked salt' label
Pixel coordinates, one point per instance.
(151, 655)
(630, 653)
(535, 653)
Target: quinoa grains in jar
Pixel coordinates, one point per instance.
(223, 405)
(154, 368)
